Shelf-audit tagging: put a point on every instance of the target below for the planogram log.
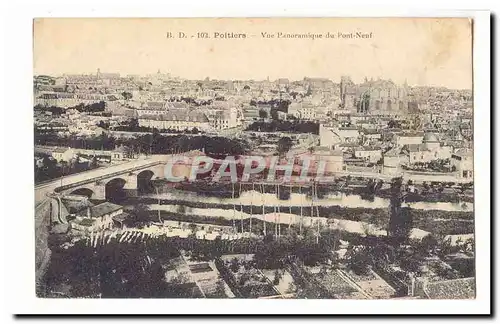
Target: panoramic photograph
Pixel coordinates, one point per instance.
(254, 158)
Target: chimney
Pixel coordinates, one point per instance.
(89, 214)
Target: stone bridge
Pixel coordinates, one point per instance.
(95, 184)
(95, 181)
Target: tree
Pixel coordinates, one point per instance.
(126, 95)
(410, 264)
(235, 266)
(141, 213)
(193, 227)
(393, 124)
(359, 262)
(277, 277)
(428, 244)
(284, 145)
(400, 222)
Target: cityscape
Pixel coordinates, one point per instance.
(161, 186)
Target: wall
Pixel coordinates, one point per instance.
(42, 251)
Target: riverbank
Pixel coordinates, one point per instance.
(436, 221)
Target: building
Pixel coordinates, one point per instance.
(348, 134)
(96, 218)
(368, 153)
(224, 119)
(302, 110)
(333, 135)
(333, 160)
(65, 99)
(250, 113)
(176, 119)
(116, 155)
(430, 149)
(317, 83)
(393, 160)
(373, 96)
(328, 136)
(463, 160)
(154, 108)
(409, 138)
(371, 135)
(61, 153)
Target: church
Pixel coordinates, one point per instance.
(374, 96)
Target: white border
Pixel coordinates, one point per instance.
(18, 219)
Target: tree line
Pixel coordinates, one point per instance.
(285, 126)
(154, 143)
(90, 108)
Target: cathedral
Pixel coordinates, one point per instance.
(374, 96)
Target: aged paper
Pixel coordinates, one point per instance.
(261, 158)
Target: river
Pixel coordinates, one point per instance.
(269, 199)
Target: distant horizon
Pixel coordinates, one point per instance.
(124, 75)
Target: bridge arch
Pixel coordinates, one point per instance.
(89, 193)
(114, 190)
(144, 184)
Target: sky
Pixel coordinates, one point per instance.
(423, 51)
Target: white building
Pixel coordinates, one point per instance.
(96, 218)
(302, 110)
(224, 119)
(430, 149)
(393, 160)
(463, 160)
(368, 153)
(176, 119)
(409, 138)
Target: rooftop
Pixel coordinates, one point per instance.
(179, 115)
(100, 210)
(430, 138)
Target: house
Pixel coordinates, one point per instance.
(430, 149)
(463, 160)
(368, 153)
(250, 113)
(325, 159)
(371, 135)
(115, 155)
(98, 217)
(409, 138)
(224, 119)
(302, 110)
(393, 159)
(348, 134)
(63, 154)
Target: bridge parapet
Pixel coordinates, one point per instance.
(102, 178)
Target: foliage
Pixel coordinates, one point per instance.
(284, 145)
(285, 126)
(153, 143)
(126, 95)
